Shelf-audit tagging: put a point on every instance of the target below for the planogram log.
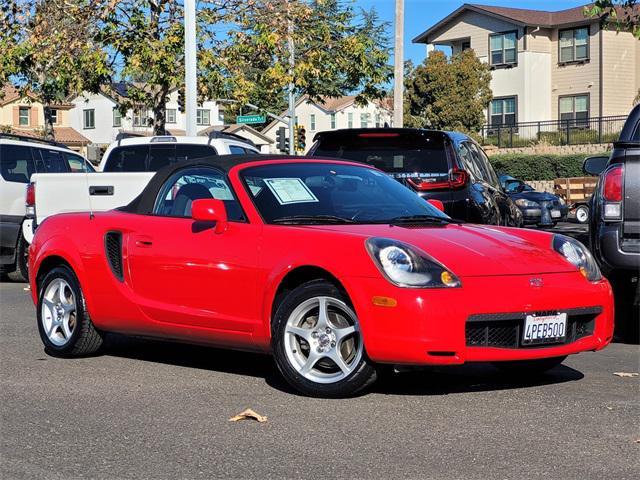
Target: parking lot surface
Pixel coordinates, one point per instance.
(147, 409)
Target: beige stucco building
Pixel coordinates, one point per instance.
(545, 65)
(24, 115)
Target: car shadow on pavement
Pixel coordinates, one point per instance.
(424, 381)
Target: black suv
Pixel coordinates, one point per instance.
(446, 166)
(614, 226)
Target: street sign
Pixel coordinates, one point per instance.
(251, 119)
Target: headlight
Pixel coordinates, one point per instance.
(406, 266)
(561, 201)
(522, 202)
(577, 254)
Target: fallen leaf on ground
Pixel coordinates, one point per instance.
(249, 414)
(625, 374)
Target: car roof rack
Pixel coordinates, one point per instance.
(27, 138)
(230, 136)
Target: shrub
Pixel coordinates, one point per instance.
(539, 166)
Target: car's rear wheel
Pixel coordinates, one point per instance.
(529, 367)
(317, 342)
(21, 271)
(63, 322)
(582, 214)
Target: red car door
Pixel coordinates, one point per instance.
(182, 272)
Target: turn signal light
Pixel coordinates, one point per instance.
(613, 184)
(384, 301)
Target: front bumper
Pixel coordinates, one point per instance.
(429, 326)
(543, 215)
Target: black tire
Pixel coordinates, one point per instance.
(529, 367)
(363, 374)
(583, 208)
(20, 270)
(85, 339)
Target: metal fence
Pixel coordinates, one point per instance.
(554, 132)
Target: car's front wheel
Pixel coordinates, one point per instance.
(530, 367)
(63, 321)
(317, 342)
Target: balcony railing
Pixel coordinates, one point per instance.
(554, 132)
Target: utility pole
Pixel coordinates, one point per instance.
(292, 100)
(398, 67)
(190, 91)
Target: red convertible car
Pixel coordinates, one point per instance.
(332, 266)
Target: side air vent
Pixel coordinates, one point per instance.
(113, 251)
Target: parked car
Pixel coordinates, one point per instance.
(332, 266)
(614, 227)
(20, 158)
(538, 208)
(447, 166)
(126, 167)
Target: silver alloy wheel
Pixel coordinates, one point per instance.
(58, 312)
(322, 340)
(582, 214)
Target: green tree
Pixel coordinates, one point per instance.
(624, 14)
(10, 22)
(448, 92)
(337, 51)
(53, 53)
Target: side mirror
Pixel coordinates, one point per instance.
(595, 165)
(436, 203)
(210, 210)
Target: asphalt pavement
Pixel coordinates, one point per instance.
(147, 409)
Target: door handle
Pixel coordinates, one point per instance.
(144, 242)
(101, 190)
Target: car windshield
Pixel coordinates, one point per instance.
(402, 155)
(312, 193)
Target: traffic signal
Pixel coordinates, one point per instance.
(181, 100)
(282, 140)
(301, 138)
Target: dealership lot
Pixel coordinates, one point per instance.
(149, 409)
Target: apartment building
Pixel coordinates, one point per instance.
(333, 114)
(98, 118)
(545, 65)
(23, 114)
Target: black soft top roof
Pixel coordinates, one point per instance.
(144, 203)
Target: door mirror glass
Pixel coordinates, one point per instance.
(210, 210)
(595, 165)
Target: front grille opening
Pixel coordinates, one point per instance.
(113, 251)
(504, 330)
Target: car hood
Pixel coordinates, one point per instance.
(535, 196)
(472, 250)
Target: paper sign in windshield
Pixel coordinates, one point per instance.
(290, 190)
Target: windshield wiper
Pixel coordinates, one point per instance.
(311, 219)
(426, 219)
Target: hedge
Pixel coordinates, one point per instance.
(539, 166)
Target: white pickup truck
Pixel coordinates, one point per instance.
(126, 168)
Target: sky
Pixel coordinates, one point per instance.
(419, 15)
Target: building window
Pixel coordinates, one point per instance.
(220, 116)
(364, 120)
(574, 45)
(202, 117)
(350, 120)
(466, 45)
(378, 123)
(312, 121)
(54, 115)
(333, 121)
(117, 117)
(171, 115)
(503, 111)
(503, 48)
(574, 109)
(23, 116)
(140, 118)
(89, 118)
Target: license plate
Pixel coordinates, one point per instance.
(544, 329)
(555, 213)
